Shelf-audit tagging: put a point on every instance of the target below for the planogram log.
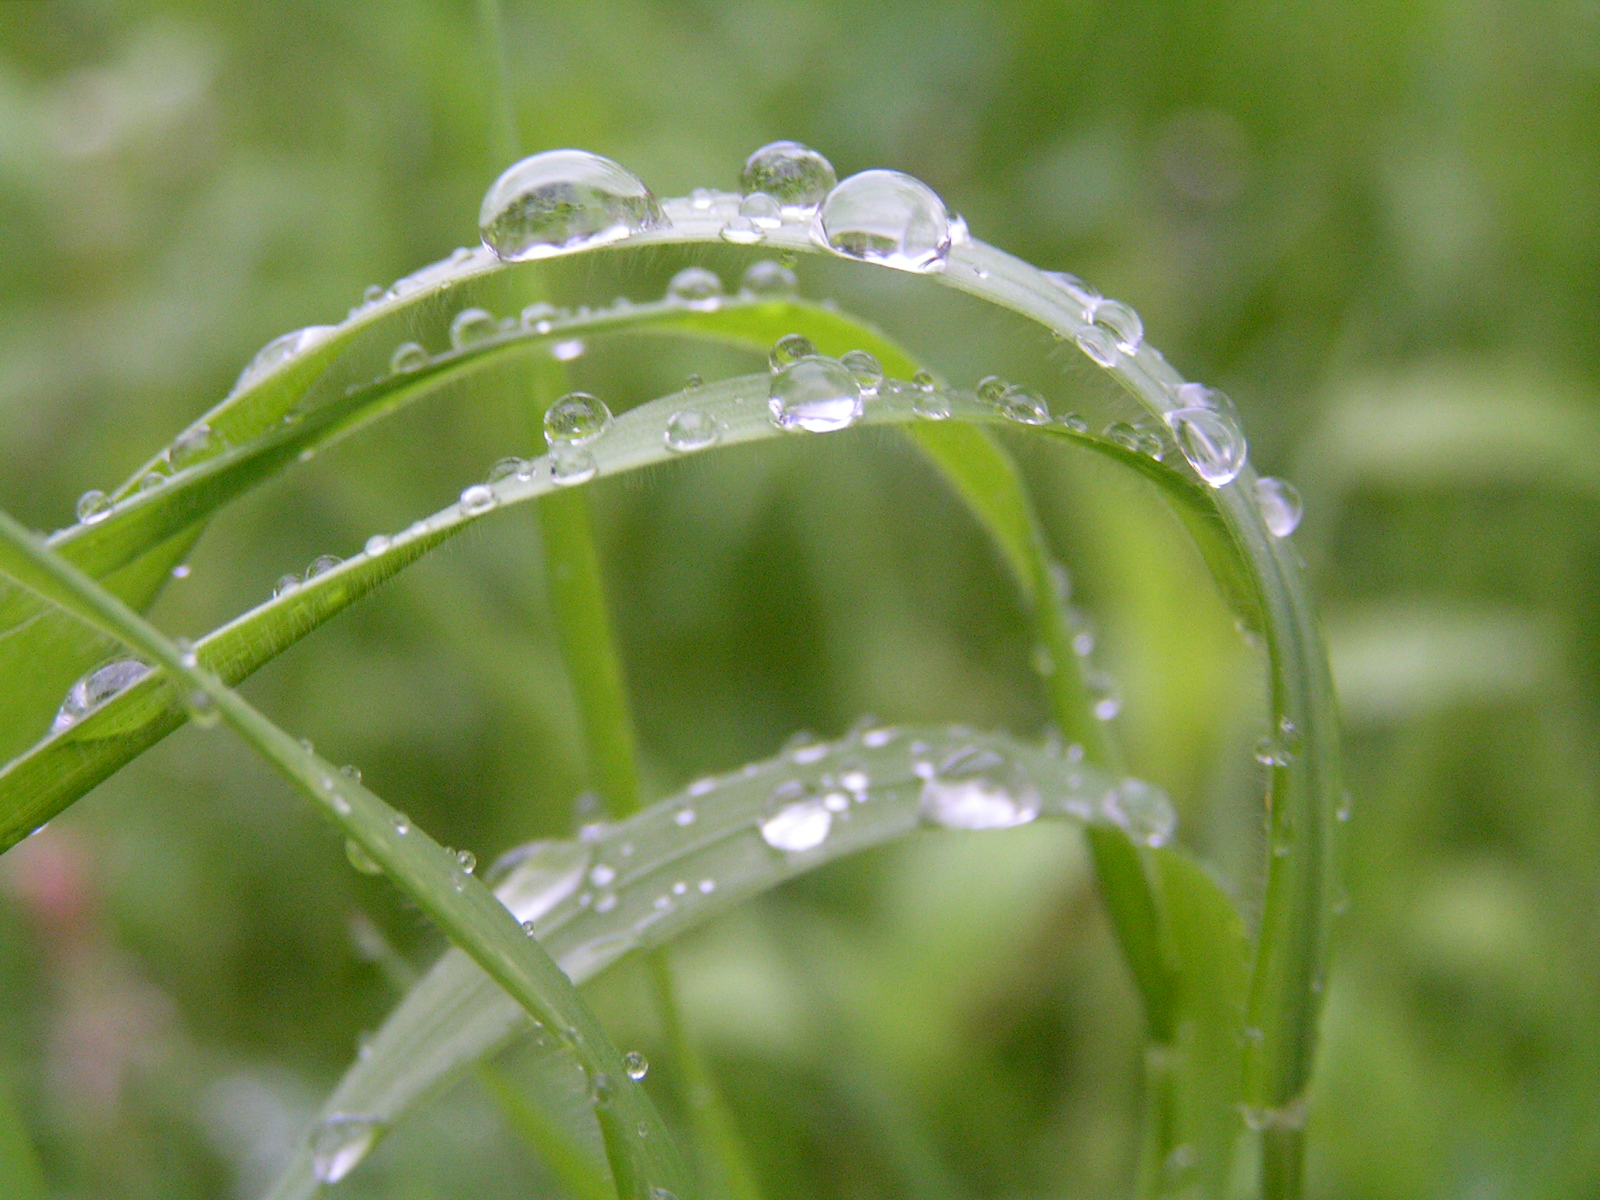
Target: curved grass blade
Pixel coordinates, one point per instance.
(642, 1155)
(683, 861)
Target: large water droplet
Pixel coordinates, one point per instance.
(340, 1143)
(696, 288)
(796, 176)
(798, 825)
(407, 357)
(817, 395)
(979, 788)
(472, 325)
(94, 507)
(689, 430)
(1142, 811)
(95, 688)
(769, 279)
(576, 420)
(1280, 505)
(886, 217)
(280, 350)
(1214, 445)
(561, 200)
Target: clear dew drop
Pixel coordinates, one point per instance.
(602, 875)
(576, 420)
(562, 200)
(152, 481)
(1198, 395)
(694, 382)
(95, 688)
(1073, 422)
(407, 357)
(321, 565)
(790, 348)
(1023, 405)
(690, 429)
(761, 210)
(1142, 811)
(571, 465)
(696, 288)
(889, 218)
(1124, 435)
(978, 788)
(684, 817)
(794, 175)
(1099, 344)
(769, 280)
(472, 325)
(285, 585)
(360, 859)
(520, 469)
(638, 1065)
(742, 231)
(866, 369)
(1104, 699)
(467, 861)
(195, 445)
(818, 395)
(377, 544)
(1120, 321)
(798, 825)
(1280, 505)
(339, 1143)
(279, 351)
(93, 507)
(1214, 446)
(202, 709)
(477, 499)
(926, 400)
(568, 351)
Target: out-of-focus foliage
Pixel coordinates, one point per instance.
(1377, 227)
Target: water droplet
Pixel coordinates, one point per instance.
(602, 875)
(790, 348)
(1099, 344)
(576, 420)
(606, 903)
(181, 571)
(1073, 422)
(875, 739)
(377, 544)
(769, 280)
(279, 351)
(407, 357)
(694, 382)
(351, 772)
(707, 886)
(339, 1144)
(467, 861)
(1120, 321)
(761, 210)
(696, 288)
(689, 430)
(506, 468)
(683, 817)
(886, 217)
(285, 585)
(866, 369)
(472, 325)
(568, 351)
(561, 200)
(1142, 811)
(637, 1064)
(152, 481)
(926, 399)
(701, 787)
(477, 499)
(1104, 700)
(1198, 395)
(1021, 404)
(1212, 443)
(742, 231)
(202, 709)
(95, 688)
(569, 466)
(187, 654)
(702, 199)
(800, 824)
(1279, 501)
(196, 444)
(602, 1090)
(661, 1193)
(402, 824)
(360, 859)
(94, 507)
(321, 565)
(818, 395)
(794, 175)
(979, 788)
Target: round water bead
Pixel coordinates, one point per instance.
(94, 507)
(768, 278)
(926, 399)
(1214, 445)
(360, 859)
(477, 499)
(407, 357)
(742, 231)
(510, 467)
(796, 176)
(817, 394)
(196, 444)
(280, 350)
(321, 565)
(1104, 699)
(561, 200)
(886, 217)
(1018, 403)
(979, 788)
(472, 325)
(690, 429)
(1280, 505)
(1198, 395)
(339, 1144)
(1099, 344)
(576, 420)
(797, 824)
(95, 688)
(761, 210)
(696, 287)
(790, 348)
(377, 544)
(866, 369)
(1120, 321)
(637, 1065)
(571, 465)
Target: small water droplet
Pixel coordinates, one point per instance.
(1104, 700)
(742, 231)
(279, 351)
(790, 348)
(794, 175)
(562, 200)
(187, 654)
(467, 861)
(477, 499)
(696, 288)
(569, 466)
(1120, 321)
(1124, 435)
(402, 824)
(1343, 811)
(339, 1143)
(407, 357)
(886, 217)
(606, 903)
(568, 351)
(182, 571)
(1073, 422)
(377, 544)
(978, 788)
(472, 325)
(926, 399)
(761, 210)
(195, 445)
(602, 875)
(798, 825)
(321, 565)
(707, 886)
(152, 481)
(866, 369)
(684, 816)
(202, 709)
(1060, 582)
(93, 507)
(285, 585)
(1279, 501)
(769, 280)
(1142, 811)
(1214, 445)
(702, 199)
(358, 858)
(1017, 403)
(637, 1064)
(818, 395)
(95, 688)
(689, 430)
(1099, 344)
(576, 420)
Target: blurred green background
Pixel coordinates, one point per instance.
(1376, 226)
